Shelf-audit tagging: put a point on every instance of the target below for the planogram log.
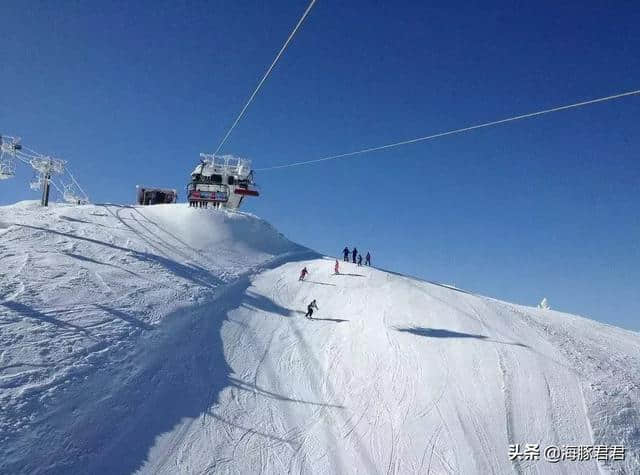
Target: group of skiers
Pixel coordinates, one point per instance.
(336, 270)
(354, 253)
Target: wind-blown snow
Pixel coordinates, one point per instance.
(168, 339)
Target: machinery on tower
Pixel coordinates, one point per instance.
(221, 182)
(49, 172)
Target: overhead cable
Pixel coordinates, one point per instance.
(452, 132)
(264, 78)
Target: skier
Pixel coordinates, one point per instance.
(354, 253)
(303, 273)
(345, 251)
(336, 268)
(359, 259)
(310, 308)
(367, 259)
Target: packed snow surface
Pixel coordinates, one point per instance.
(167, 339)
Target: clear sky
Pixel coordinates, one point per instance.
(131, 92)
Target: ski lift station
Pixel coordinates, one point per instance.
(152, 196)
(221, 182)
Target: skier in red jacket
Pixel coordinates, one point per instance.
(303, 273)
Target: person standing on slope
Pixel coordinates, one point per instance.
(336, 268)
(354, 253)
(367, 259)
(359, 260)
(303, 273)
(345, 251)
(310, 308)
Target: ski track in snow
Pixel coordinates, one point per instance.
(173, 340)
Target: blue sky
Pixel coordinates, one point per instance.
(132, 92)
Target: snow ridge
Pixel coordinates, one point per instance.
(168, 339)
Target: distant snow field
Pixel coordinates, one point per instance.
(169, 339)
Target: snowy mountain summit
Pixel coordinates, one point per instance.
(169, 339)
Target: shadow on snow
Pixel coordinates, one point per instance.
(337, 320)
(176, 372)
(29, 312)
(319, 283)
(260, 302)
(126, 317)
(442, 333)
(191, 272)
(245, 386)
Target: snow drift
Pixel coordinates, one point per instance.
(172, 340)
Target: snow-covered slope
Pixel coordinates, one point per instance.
(172, 340)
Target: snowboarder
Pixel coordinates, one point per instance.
(345, 251)
(354, 253)
(367, 259)
(359, 259)
(310, 308)
(303, 273)
(336, 268)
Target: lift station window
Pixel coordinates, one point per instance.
(231, 180)
(216, 178)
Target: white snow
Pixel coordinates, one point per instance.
(169, 339)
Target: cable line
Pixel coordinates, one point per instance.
(286, 43)
(456, 131)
